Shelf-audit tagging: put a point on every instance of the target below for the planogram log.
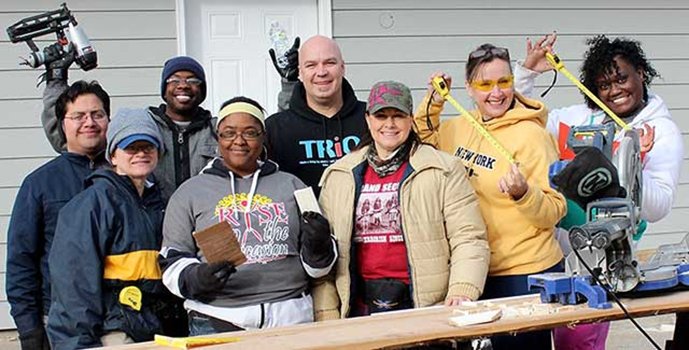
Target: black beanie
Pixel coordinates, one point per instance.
(588, 177)
(181, 63)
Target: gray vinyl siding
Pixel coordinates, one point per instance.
(133, 39)
(407, 40)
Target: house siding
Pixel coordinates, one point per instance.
(133, 40)
(406, 40)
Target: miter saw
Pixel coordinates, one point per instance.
(603, 259)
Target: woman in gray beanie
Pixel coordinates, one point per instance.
(107, 285)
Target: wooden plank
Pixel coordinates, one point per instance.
(26, 113)
(7, 200)
(415, 326)
(111, 54)
(148, 24)
(473, 22)
(40, 6)
(501, 4)
(129, 81)
(457, 48)
(18, 169)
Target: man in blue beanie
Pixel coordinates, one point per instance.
(187, 129)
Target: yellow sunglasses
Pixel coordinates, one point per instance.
(488, 85)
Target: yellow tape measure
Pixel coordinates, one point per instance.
(441, 88)
(192, 342)
(559, 66)
(131, 296)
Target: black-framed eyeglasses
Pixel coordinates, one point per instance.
(499, 52)
(81, 117)
(189, 81)
(250, 134)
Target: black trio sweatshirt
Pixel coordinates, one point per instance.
(304, 142)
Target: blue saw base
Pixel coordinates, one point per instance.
(558, 287)
(566, 290)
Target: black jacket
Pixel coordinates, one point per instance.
(106, 238)
(30, 234)
(303, 142)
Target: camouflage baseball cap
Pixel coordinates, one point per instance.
(386, 94)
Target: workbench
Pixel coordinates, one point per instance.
(397, 329)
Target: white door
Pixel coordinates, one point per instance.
(230, 39)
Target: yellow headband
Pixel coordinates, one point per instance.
(240, 107)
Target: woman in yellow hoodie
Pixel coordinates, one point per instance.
(519, 207)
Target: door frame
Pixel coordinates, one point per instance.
(325, 20)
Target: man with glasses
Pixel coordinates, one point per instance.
(187, 129)
(325, 120)
(81, 112)
(189, 142)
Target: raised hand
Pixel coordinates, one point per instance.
(291, 71)
(448, 79)
(646, 137)
(535, 54)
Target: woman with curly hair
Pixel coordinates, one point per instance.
(619, 74)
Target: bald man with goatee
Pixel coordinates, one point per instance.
(324, 121)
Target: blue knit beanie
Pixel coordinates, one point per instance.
(180, 63)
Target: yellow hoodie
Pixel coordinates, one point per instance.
(520, 233)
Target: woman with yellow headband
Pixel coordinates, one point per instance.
(518, 205)
(283, 248)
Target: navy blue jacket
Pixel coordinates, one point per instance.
(32, 226)
(107, 238)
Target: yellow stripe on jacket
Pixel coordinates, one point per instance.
(133, 266)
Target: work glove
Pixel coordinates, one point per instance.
(317, 243)
(57, 70)
(588, 177)
(202, 281)
(35, 339)
(291, 72)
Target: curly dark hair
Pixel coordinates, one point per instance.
(599, 60)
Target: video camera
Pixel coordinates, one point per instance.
(72, 43)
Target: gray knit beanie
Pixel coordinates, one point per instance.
(128, 122)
